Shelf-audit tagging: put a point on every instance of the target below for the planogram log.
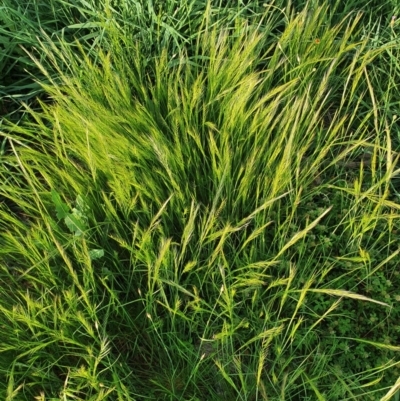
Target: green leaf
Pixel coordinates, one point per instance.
(75, 225)
(81, 205)
(96, 254)
(61, 207)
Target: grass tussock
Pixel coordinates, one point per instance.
(218, 223)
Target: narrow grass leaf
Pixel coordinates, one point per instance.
(346, 294)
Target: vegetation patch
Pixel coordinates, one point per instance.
(200, 201)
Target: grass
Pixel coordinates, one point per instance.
(201, 204)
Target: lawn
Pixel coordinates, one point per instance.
(199, 200)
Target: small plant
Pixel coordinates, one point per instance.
(76, 220)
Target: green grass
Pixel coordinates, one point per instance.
(202, 204)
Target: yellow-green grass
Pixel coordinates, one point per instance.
(221, 224)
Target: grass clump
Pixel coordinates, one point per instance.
(221, 224)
